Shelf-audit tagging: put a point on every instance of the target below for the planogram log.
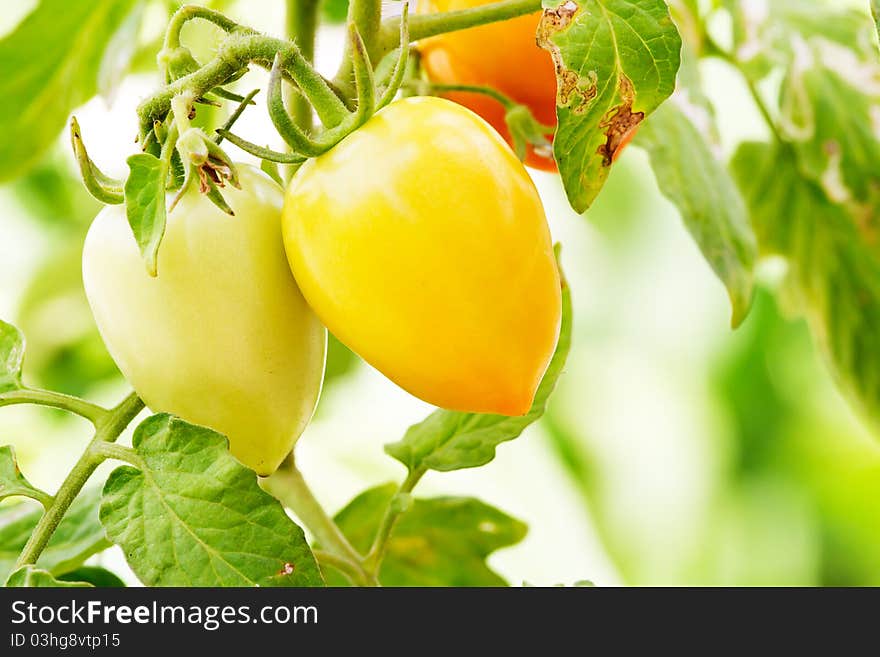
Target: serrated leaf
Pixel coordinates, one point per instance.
(31, 576)
(145, 205)
(191, 515)
(834, 265)
(12, 481)
(94, 575)
(11, 357)
(689, 175)
(48, 66)
(441, 541)
(616, 62)
(79, 536)
(451, 440)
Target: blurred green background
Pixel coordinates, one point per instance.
(675, 451)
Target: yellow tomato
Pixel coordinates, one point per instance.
(222, 337)
(421, 242)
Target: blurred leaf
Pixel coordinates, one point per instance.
(78, 537)
(94, 575)
(11, 357)
(12, 481)
(334, 11)
(442, 541)
(31, 576)
(145, 205)
(834, 265)
(50, 65)
(771, 34)
(451, 440)
(65, 351)
(830, 117)
(616, 63)
(51, 193)
(690, 176)
(191, 515)
(120, 52)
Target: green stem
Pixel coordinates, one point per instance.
(302, 25)
(92, 412)
(422, 26)
(119, 453)
(373, 560)
(110, 426)
(348, 568)
(242, 106)
(237, 51)
(423, 88)
(289, 486)
(366, 15)
(712, 49)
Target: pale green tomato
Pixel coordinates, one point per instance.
(222, 337)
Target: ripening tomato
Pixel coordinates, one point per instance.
(421, 243)
(222, 337)
(502, 55)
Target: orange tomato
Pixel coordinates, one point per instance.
(501, 55)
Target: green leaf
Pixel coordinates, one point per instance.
(31, 576)
(191, 515)
(94, 575)
(12, 481)
(11, 357)
(145, 205)
(689, 175)
(616, 62)
(442, 541)
(49, 65)
(78, 537)
(451, 440)
(834, 265)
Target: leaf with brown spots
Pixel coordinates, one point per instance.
(616, 62)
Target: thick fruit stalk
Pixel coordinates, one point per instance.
(421, 242)
(222, 337)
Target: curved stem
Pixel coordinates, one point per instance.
(92, 412)
(187, 13)
(373, 561)
(109, 427)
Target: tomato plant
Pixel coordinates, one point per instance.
(407, 225)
